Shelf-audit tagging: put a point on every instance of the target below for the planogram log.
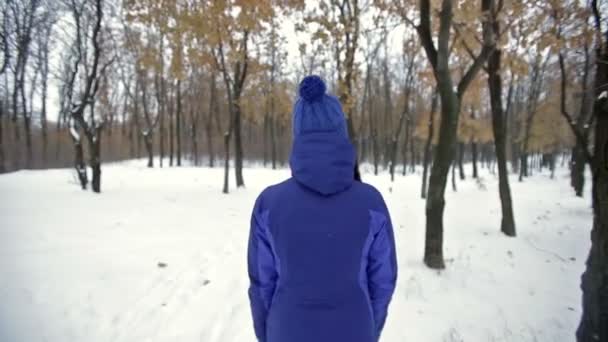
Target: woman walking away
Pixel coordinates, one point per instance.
(321, 253)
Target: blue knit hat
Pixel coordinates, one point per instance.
(316, 111)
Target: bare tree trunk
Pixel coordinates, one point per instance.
(162, 138)
(594, 321)
(461, 160)
(213, 113)
(170, 116)
(266, 138)
(406, 139)
(149, 148)
(27, 119)
(79, 164)
(444, 155)
(579, 160)
(194, 135)
(413, 152)
(238, 144)
(161, 97)
(226, 162)
(43, 110)
(552, 165)
(536, 80)
(403, 118)
(273, 142)
(2, 156)
(454, 176)
(474, 155)
(577, 169)
(523, 166)
(60, 119)
(374, 134)
(498, 124)
(394, 146)
(132, 127)
(195, 117)
(27, 123)
(178, 123)
(95, 151)
(428, 145)
(451, 96)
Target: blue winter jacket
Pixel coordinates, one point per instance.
(321, 252)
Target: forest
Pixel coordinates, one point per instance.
(437, 89)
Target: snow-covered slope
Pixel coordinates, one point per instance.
(75, 266)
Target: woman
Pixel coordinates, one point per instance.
(321, 252)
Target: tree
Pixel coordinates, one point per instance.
(594, 320)
(569, 36)
(44, 32)
(534, 85)
(507, 225)
(409, 51)
(428, 145)
(23, 23)
(439, 56)
(339, 27)
(88, 20)
(5, 62)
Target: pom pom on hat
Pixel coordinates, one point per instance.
(312, 88)
(316, 111)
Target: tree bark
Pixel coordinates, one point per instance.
(536, 82)
(577, 169)
(95, 151)
(178, 123)
(507, 225)
(406, 139)
(238, 144)
(273, 142)
(226, 163)
(403, 118)
(594, 320)
(474, 155)
(27, 118)
(27, 124)
(461, 160)
(149, 148)
(579, 152)
(374, 133)
(45, 75)
(523, 166)
(428, 145)
(454, 187)
(79, 164)
(170, 117)
(213, 113)
(266, 139)
(2, 156)
(161, 100)
(414, 155)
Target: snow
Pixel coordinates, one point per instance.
(77, 266)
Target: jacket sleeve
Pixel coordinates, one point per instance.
(262, 269)
(381, 267)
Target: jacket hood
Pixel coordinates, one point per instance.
(323, 162)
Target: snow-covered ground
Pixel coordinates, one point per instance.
(75, 266)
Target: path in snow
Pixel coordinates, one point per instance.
(76, 266)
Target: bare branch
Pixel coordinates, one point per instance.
(424, 31)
